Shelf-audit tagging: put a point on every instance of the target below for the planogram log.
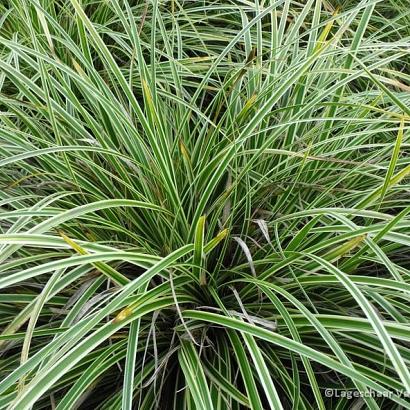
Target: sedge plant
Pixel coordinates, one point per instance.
(204, 204)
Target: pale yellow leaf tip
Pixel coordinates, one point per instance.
(123, 315)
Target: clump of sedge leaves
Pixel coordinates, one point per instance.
(204, 204)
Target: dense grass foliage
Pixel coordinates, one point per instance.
(204, 204)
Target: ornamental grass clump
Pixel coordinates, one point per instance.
(204, 204)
